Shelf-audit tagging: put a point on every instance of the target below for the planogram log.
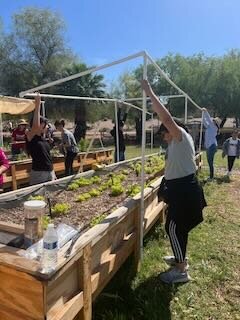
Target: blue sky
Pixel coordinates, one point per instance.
(100, 31)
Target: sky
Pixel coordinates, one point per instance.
(101, 31)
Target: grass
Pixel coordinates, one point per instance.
(214, 266)
(135, 151)
(219, 162)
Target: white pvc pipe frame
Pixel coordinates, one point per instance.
(146, 59)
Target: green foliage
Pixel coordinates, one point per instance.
(103, 187)
(73, 186)
(98, 219)
(94, 193)
(45, 222)
(133, 190)
(83, 145)
(82, 182)
(83, 197)
(37, 197)
(96, 179)
(116, 190)
(61, 208)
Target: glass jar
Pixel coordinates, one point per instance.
(34, 211)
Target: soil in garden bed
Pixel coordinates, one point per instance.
(86, 213)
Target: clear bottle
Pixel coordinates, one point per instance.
(33, 213)
(50, 249)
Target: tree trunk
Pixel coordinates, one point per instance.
(223, 122)
(80, 120)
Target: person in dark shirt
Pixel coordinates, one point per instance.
(39, 148)
(69, 145)
(122, 147)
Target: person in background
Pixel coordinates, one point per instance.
(19, 138)
(69, 145)
(180, 189)
(210, 140)
(39, 148)
(4, 165)
(231, 148)
(10, 126)
(121, 140)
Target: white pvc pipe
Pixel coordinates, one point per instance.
(169, 97)
(201, 131)
(143, 157)
(43, 109)
(162, 73)
(116, 131)
(152, 135)
(1, 131)
(83, 73)
(56, 96)
(186, 109)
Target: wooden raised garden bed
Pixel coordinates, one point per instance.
(67, 293)
(19, 171)
(27, 293)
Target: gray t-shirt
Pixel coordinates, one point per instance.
(69, 139)
(180, 156)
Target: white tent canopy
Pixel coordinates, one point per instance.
(16, 106)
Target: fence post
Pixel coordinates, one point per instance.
(85, 271)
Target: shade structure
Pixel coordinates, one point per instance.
(16, 106)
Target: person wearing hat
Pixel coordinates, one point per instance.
(39, 148)
(19, 138)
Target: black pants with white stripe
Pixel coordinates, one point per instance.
(178, 238)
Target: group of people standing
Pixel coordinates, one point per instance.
(39, 147)
(36, 141)
(231, 146)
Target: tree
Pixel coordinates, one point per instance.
(87, 86)
(34, 52)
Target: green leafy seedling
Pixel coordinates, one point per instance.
(116, 190)
(83, 197)
(61, 208)
(73, 186)
(37, 197)
(94, 193)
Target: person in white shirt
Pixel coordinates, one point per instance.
(179, 189)
(231, 148)
(211, 132)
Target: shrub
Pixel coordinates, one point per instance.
(83, 145)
